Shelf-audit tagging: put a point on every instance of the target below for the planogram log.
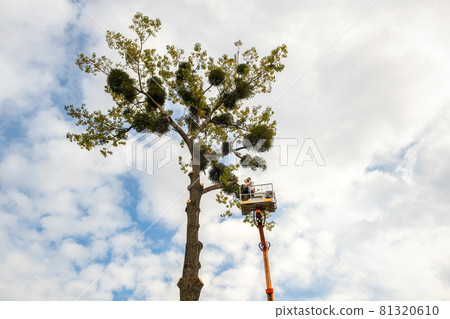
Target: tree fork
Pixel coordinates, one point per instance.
(190, 284)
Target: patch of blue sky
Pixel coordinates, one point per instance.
(236, 213)
(76, 267)
(224, 267)
(12, 129)
(124, 294)
(159, 234)
(132, 195)
(107, 258)
(229, 262)
(70, 77)
(70, 92)
(178, 109)
(13, 126)
(390, 162)
(76, 40)
(158, 238)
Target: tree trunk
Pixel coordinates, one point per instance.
(190, 284)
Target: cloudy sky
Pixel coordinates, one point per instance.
(367, 81)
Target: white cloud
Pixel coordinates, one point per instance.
(33, 52)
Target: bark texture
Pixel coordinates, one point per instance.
(190, 284)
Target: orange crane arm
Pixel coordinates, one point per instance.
(264, 246)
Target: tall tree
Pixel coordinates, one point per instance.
(213, 94)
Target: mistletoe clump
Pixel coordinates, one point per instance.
(242, 68)
(229, 100)
(260, 133)
(224, 119)
(145, 122)
(156, 94)
(216, 76)
(183, 72)
(254, 163)
(225, 148)
(120, 83)
(217, 169)
(243, 89)
(187, 96)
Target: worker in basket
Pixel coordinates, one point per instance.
(248, 187)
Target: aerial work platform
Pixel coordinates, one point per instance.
(258, 197)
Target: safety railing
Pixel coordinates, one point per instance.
(257, 191)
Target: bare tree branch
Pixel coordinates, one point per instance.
(218, 186)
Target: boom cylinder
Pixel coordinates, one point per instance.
(264, 246)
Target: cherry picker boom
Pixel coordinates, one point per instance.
(260, 200)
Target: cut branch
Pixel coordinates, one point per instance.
(218, 186)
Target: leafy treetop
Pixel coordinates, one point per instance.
(148, 89)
